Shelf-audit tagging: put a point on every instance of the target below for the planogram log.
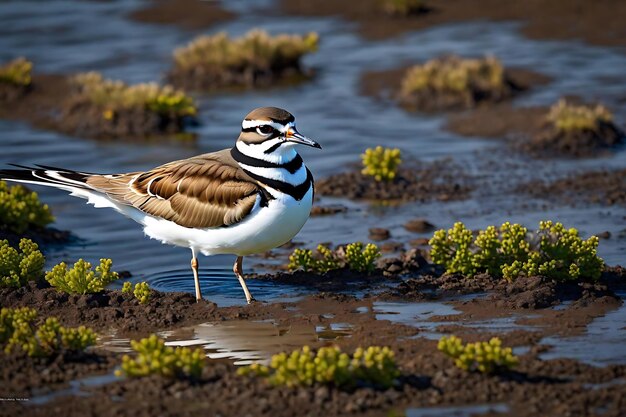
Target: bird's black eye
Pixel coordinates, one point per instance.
(265, 129)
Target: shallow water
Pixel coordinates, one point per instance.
(460, 411)
(603, 343)
(70, 36)
(239, 341)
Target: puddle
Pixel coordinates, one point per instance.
(461, 411)
(75, 388)
(242, 342)
(603, 343)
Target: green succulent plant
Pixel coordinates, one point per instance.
(568, 117)
(329, 366)
(81, 279)
(485, 357)
(113, 97)
(358, 257)
(254, 51)
(154, 358)
(17, 72)
(19, 333)
(362, 258)
(511, 251)
(455, 74)
(19, 267)
(141, 291)
(20, 209)
(381, 163)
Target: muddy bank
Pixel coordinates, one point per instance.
(187, 14)
(606, 188)
(593, 22)
(536, 388)
(22, 376)
(440, 180)
(52, 103)
(528, 130)
(386, 85)
(113, 310)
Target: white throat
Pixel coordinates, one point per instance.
(283, 154)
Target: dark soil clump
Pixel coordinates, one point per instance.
(81, 117)
(12, 92)
(111, 309)
(188, 14)
(387, 85)
(596, 187)
(42, 236)
(419, 226)
(53, 104)
(23, 376)
(328, 210)
(440, 180)
(575, 143)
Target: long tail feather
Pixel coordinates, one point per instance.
(45, 175)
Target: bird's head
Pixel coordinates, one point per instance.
(270, 131)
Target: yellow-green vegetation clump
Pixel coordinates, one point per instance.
(219, 60)
(374, 366)
(141, 291)
(511, 251)
(81, 278)
(356, 256)
(403, 7)
(381, 163)
(17, 267)
(20, 209)
(452, 81)
(17, 72)
(116, 96)
(154, 358)
(570, 117)
(18, 333)
(486, 357)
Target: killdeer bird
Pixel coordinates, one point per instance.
(241, 201)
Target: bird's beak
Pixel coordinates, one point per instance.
(292, 135)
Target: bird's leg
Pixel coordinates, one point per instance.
(194, 268)
(237, 269)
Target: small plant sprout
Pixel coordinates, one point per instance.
(569, 117)
(81, 279)
(113, 97)
(153, 357)
(19, 267)
(362, 258)
(511, 251)
(20, 209)
(18, 333)
(375, 366)
(142, 292)
(403, 7)
(17, 72)
(226, 61)
(485, 357)
(127, 288)
(381, 163)
(356, 256)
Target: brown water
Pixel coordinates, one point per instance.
(70, 36)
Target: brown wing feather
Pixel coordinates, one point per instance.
(205, 191)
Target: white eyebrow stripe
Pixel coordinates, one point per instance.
(247, 124)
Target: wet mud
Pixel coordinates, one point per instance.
(440, 180)
(52, 104)
(541, 19)
(188, 14)
(606, 188)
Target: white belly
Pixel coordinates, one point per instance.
(264, 229)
